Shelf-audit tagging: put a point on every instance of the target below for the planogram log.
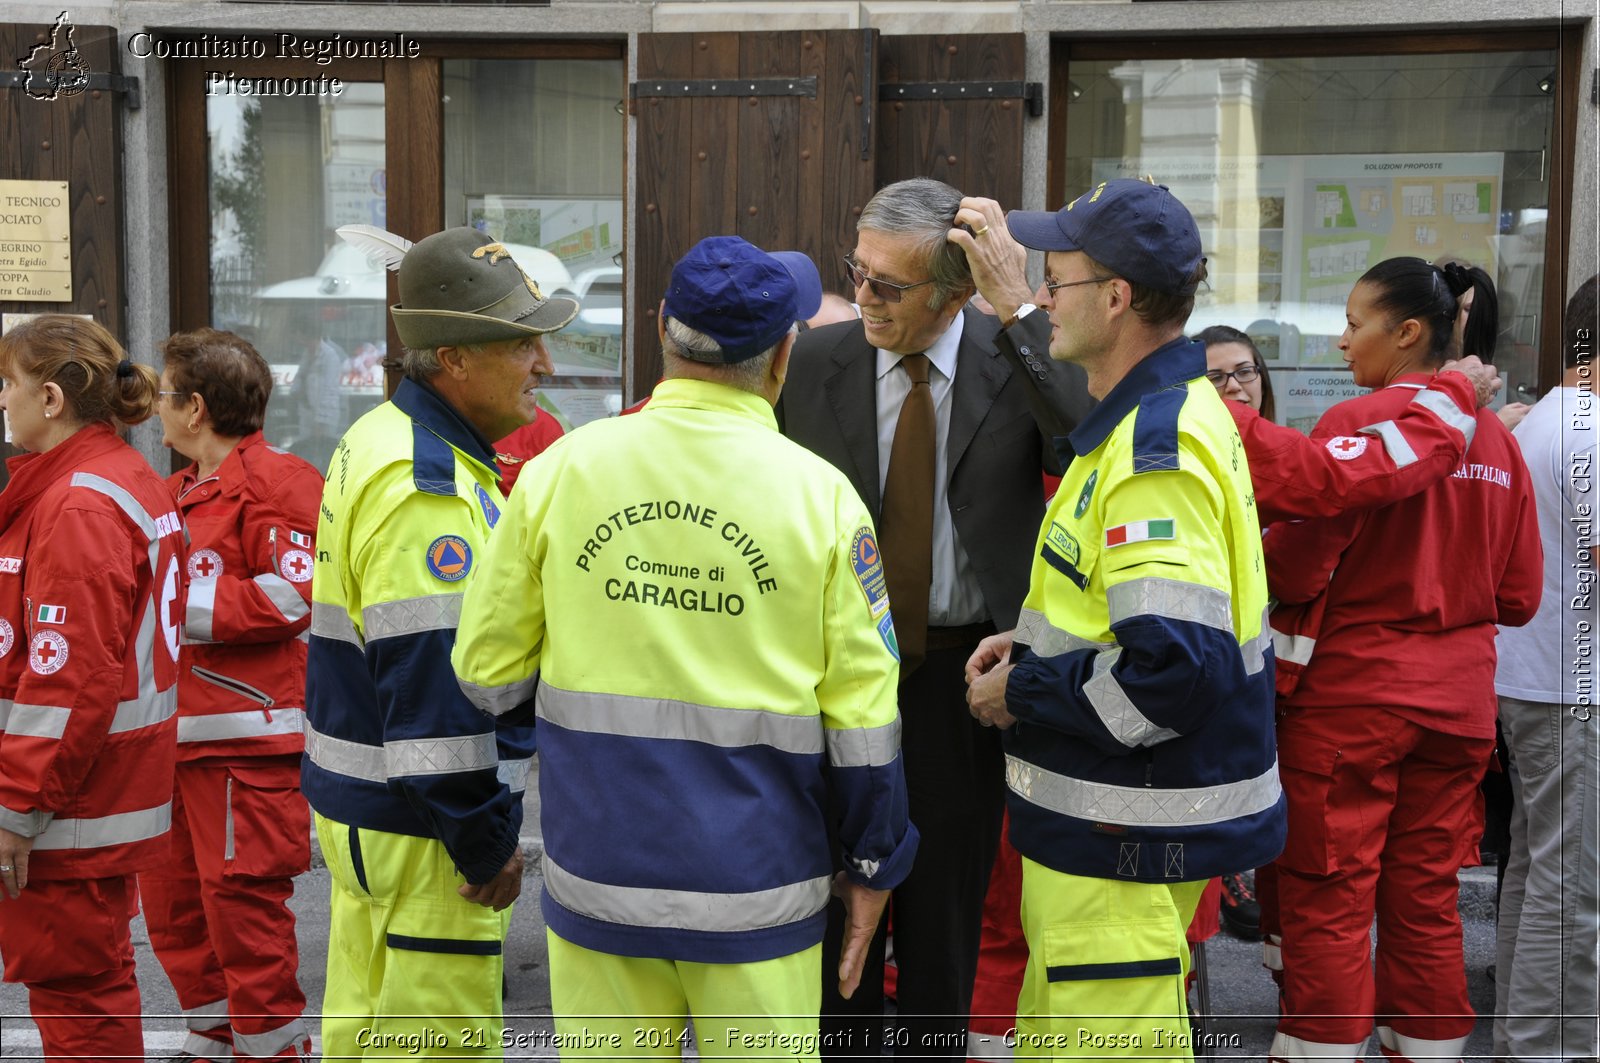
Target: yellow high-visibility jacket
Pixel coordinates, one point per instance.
(695, 605)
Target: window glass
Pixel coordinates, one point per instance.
(1304, 171)
(533, 157)
(286, 171)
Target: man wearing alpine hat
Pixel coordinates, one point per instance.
(1136, 690)
(417, 794)
(695, 608)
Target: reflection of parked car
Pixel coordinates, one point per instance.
(343, 306)
(592, 344)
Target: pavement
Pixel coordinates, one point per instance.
(1243, 997)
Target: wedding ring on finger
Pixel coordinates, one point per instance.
(980, 232)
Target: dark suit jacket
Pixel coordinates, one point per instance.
(1009, 401)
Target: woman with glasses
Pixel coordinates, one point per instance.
(1234, 365)
(90, 553)
(218, 910)
(1382, 743)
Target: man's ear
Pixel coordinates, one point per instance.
(780, 358)
(453, 360)
(661, 321)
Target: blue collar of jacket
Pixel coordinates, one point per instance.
(428, 408)
(1169, 365)
(706, 395)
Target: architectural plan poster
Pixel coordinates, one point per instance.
(1357, 210)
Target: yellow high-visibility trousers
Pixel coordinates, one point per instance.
(1106, 966)
(620, 1007)
(413, 969)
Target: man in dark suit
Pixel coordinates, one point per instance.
(942, 419)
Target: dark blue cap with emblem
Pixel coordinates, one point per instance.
(741, 296)
(1139, 231)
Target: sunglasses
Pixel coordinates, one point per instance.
(888, 291)
(1244, 374)
(1058, 285)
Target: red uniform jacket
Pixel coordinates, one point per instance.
(91, 607)
(1414, 590)
(522, 446)
(242, 684)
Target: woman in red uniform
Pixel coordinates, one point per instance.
(90, 607)
(1383, 741)
(218, 910)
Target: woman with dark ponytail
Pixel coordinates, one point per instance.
(1383, 741)
(90, 610)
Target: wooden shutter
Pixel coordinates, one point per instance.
(964, 124)
(786, 172)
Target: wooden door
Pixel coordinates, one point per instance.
(59, 122)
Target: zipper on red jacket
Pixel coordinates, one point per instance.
(244, 690)
(194, 485)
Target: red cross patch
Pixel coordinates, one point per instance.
(1347, 448)
(204, 564)
(48, 652)
(295, 566)
(8, 636)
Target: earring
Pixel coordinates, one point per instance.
(48, 415)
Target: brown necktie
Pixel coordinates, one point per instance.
(907, 520)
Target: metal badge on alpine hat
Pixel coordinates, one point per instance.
(1140, 231)
(459, 286)
(741, 296)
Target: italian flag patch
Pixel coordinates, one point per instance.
(1139, 531)
(52, 614)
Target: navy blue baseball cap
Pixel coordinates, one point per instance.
(741, 296)
(1139, 231)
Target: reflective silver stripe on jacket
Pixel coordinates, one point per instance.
(418, 756)
(637, 717)
(1035, 630)
(353, 759)
(1296, 649)
(1137, 806)
(332, 622)
(27, 824)
(50, 721)
(1116, 710)
(682, 909)
(283, 595)
(514, 773)
(1255, 651)
(1398, 448)
(1171, 599)
(863, 747)
(441, 756)
(129, 506)
(198, 623)
(99, 832)
(499, 700)
(411, 616)
(1448, 411)
(250, 723)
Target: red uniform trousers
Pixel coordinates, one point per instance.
(1002, 957)
(1380, 814)
(218, 911)
(67, 941)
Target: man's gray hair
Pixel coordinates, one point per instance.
(925, 210)
(691, 345)
(421, 363)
